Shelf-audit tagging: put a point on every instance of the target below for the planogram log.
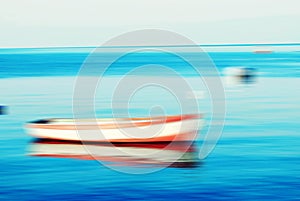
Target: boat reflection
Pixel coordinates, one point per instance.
(176, 154)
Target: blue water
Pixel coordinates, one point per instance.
(67, 62)
(257, 157)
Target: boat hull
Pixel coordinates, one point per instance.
(175, 128)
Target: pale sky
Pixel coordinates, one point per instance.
(42, 23)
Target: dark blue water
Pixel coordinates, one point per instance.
(67, 62)
(257, 158)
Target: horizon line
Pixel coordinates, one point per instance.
(149, 46)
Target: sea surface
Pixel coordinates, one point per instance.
(256, 158)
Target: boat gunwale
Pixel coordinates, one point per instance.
(135, 122)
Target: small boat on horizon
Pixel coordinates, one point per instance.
(262, 51)
(148, 129)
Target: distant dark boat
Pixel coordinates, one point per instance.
(3, 109)
(240, 75)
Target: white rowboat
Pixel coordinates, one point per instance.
(154, 129)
